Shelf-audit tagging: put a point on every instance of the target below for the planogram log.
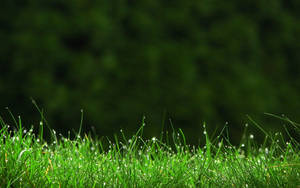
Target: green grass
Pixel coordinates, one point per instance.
(26, 160)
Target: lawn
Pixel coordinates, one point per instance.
(27, 160)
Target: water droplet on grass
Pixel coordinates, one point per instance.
(153, 139)
(266, 150)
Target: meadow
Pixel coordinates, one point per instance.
(28, 160)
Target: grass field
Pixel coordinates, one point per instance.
(27, 160)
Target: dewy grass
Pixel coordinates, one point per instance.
(28, 161)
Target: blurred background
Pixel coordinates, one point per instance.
(188, 61)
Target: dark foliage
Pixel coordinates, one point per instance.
(198, 61)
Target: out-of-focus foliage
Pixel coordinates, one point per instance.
(212, 61)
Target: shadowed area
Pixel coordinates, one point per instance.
(191, 62)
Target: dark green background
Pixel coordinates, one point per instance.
(194, 61)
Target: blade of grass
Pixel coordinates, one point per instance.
(12, 116)
(183, 137)
(43, 119)
(207, 143)
(81, 121)
(295, 125)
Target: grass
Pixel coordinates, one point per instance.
(27, 160)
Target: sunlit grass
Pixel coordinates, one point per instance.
(27, 160)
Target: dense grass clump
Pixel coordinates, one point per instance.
(26, 160)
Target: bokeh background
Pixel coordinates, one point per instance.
(188, 61)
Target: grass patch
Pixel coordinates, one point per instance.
(26, 160)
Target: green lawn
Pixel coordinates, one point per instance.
(26, 160)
